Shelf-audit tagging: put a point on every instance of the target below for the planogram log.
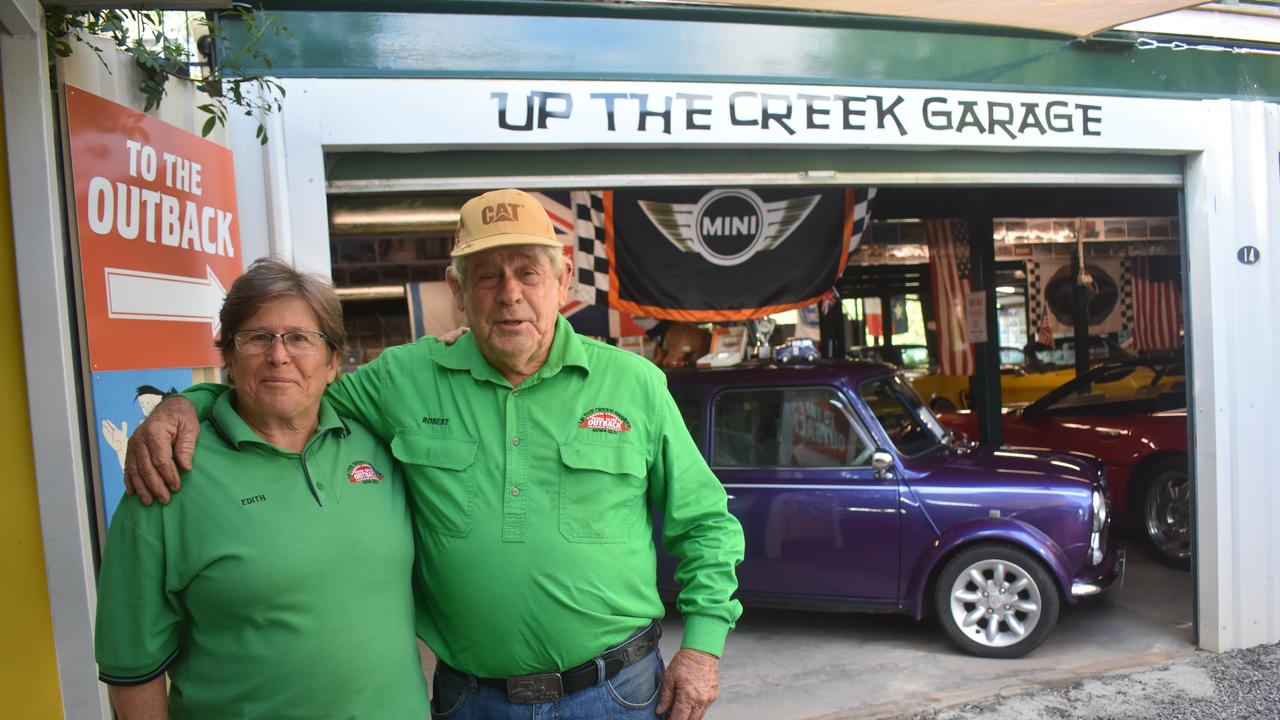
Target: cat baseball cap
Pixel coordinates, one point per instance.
(502, 217)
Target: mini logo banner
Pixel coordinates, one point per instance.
(728, 253)
(361, 471)
(604, 420)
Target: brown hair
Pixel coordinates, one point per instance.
(270, 279)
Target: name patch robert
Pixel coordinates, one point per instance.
(435, 421)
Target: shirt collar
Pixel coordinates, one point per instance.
(566, 351)
(235, 431)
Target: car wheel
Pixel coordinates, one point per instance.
(785, 359)
(996, 601)
(810, 357)
(1166, 512)
(942, 405)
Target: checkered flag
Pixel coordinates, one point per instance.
(589, 255)
(862, 198)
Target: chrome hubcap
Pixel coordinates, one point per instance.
(995, 603)
(1168, 514)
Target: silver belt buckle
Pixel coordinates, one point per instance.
(534, 689)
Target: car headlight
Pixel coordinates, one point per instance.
(1098, 538)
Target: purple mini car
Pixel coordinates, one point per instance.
(852, 497)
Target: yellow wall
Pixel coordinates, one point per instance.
(28, 664)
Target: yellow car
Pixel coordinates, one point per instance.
(1019, 384)
(948, 393)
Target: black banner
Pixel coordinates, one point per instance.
(728, 254)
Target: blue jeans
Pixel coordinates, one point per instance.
(632, 693)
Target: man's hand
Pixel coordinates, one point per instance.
(454, 335)
(691, 684)
(168, 434)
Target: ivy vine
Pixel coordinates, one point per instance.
(140, 34)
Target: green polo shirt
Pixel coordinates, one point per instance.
(532, 506)
(275, 585)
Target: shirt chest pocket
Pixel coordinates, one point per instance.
(440, 479)
(603, 492)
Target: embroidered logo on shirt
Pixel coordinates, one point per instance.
(253, 499)
(435, 421)
(361, 471)
(604, 420)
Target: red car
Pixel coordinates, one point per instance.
(1133, 415)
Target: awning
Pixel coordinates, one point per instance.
(1079, 18)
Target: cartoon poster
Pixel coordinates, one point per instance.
(121, 400)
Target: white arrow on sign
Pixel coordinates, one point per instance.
(137, 295)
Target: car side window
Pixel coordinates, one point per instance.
(694, 411)
(905, 418)
(786, 427)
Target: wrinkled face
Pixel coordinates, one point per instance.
(511, 297)
(274, 384)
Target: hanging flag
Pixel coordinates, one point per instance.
(948, 242)
(1157, 303)
(872, 318)
(898, 313)
(590, 257)
(727, 254)
(862, 198)
(1044, 331)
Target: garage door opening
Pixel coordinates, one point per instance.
(389, 271)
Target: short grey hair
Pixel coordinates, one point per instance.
(271, 279)
(459, 265)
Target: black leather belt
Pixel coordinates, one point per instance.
(554, 686)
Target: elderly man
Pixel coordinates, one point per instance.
(534, 458)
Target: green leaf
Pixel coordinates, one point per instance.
(209, 124)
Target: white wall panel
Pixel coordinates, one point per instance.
(1233, 192)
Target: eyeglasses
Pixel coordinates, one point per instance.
(296, 342)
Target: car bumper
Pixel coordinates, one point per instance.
(1108, 573)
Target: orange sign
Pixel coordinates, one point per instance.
(159, 235)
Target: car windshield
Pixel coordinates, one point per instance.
(1124, 384)
(910, 425)
(1063, 354)
(914, 356)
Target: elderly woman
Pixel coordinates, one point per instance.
(278, 584)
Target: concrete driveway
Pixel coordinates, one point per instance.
(787, 665)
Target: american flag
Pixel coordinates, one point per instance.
(1157, 303)
(1044, 333)
(948, 242)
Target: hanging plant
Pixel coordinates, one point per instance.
(140, 34)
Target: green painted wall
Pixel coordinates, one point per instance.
(605, 40)
(472, 163)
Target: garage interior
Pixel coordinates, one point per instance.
(798, 664)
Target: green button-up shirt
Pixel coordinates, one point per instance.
(533, 505)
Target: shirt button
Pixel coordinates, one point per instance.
(515, 441)
(515, 491)
(319, 486)
(515, 393)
